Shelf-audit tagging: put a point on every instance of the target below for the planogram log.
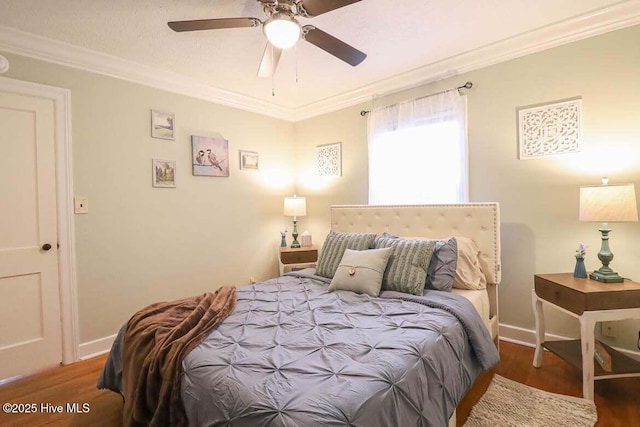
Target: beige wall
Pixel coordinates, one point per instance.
(539, 198)
(141, 244)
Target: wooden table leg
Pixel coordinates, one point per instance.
(538, 313)
(587, 341)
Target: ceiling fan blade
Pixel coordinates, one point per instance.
(269, 61)
(213, 24)
(332, 45)
(318, 7)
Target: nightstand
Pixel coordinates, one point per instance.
(590, 302)
(297, 258)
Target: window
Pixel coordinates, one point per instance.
(418, 151)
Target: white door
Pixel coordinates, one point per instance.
(30, 327)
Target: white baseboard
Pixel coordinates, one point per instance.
(522, 336)
(527, 337)
(96, 347)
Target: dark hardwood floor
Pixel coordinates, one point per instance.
(618, 400)
(59, 386)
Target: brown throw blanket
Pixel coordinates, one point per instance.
(156, 341)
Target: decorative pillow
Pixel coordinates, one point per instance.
(442, 267)
(407, 268)
(335, 245)
(361, 271)
(383, 236)
(468, 272)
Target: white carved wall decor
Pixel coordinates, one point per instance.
(550, 129)
(329, 159)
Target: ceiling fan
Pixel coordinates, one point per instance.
(283, 30)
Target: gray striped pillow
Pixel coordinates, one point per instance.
(407, 268)
(335, 245)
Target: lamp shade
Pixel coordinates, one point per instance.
(282, 30)
(295, 206)
(608, 203)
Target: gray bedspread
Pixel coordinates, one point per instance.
(293, 354)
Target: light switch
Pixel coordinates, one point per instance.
(81, 204)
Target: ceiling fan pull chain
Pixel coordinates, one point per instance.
(296, 54)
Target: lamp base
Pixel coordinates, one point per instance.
(295, 244)
(606, 277)
(605, 273)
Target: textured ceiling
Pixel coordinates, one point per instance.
(398, 37)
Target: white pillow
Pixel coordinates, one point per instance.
(468, 272)
(361, 271)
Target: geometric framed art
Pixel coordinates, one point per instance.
(329, 159)
(550, 129)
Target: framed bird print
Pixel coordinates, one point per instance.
(210, 156)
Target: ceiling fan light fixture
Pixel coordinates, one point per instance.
(282, 30)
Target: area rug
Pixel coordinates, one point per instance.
(508, 403)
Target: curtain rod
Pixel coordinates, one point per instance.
(467, 85)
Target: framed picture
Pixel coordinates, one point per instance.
(249, 160)
(164, 173)
(329, 159)
(162, 124)
(549, 129)
(210, 156)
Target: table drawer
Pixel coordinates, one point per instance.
(299, 257)
(564, 297)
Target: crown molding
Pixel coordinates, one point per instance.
(61, 53)
(621, 15)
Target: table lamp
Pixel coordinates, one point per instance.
(605, 204)
(295, 207)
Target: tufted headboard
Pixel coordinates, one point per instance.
(478, 221)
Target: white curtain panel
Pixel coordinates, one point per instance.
(418, 151)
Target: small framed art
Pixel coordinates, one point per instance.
(249, 160)
(210, 156)
(549, 129)
(164, 173)
(329, 159)
(162, 124)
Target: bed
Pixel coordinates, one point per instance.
(294, 354)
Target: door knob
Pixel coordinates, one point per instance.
(46, 247)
